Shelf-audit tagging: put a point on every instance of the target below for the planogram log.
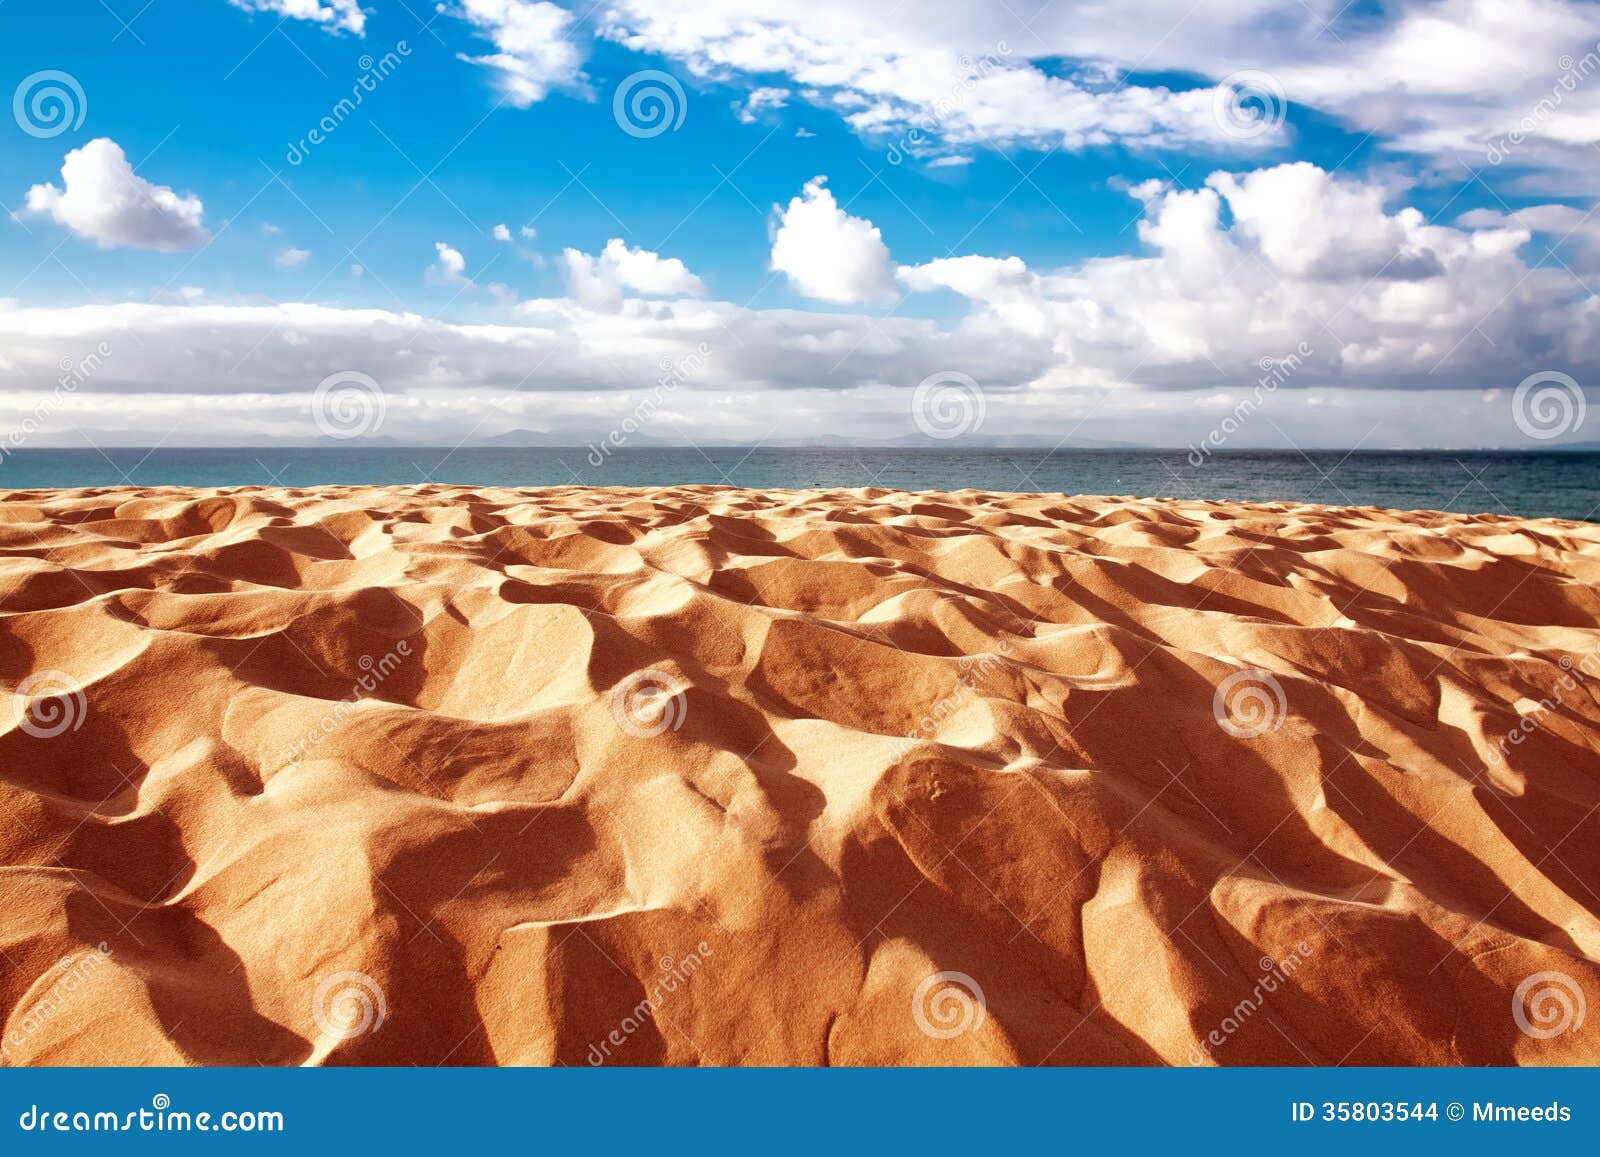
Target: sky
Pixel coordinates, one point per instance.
(1230, 224)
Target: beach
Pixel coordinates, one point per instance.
(701, 775)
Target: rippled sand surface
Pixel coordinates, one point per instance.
(701, 775)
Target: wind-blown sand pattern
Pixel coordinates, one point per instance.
(700, 775)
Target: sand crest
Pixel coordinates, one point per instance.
(700, 775)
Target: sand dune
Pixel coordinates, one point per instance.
(699, 775)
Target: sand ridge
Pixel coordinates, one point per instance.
(435, 774)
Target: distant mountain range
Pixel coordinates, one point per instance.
(534, 439)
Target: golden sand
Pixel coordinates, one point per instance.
(701, 775)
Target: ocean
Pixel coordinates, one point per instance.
(1559, 485)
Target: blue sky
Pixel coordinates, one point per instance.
(1114, 218)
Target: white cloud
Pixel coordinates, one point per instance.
(1154, 347)
(924, 83)
(501, 233)
(534, 50)
(1451, 79)
(600, 282)
(1385, 299)
(449, 268)
(232, 374)
(527, 232)
(828, 254)
(292, 258)
(334, 15)
(104, 200)
(1308, 223)
(1569, 229)
(760, 100)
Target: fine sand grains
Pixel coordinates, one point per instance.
(700, 775)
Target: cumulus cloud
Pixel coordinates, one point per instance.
(1310, 224)
(534, 49)
(448, 269)
(828, 254)
(1229, 280)
(292, 258)
(104, 200)
(600, 283)
(501, 233)
(334, 15)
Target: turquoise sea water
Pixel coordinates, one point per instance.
(1562, 485)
